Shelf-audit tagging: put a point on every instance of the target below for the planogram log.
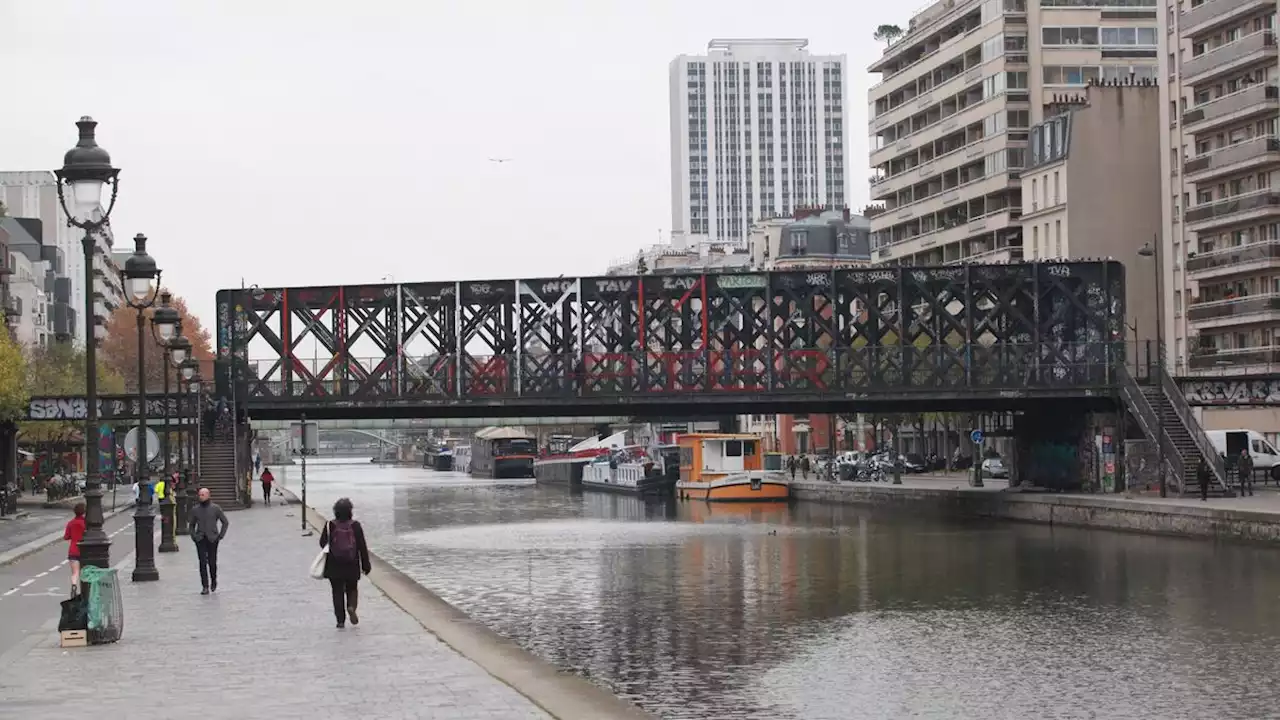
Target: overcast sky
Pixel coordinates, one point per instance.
(322, 142)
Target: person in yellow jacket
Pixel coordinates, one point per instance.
(160, 489)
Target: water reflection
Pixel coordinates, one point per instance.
(739, 611)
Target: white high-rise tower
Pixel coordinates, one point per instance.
(757, 130)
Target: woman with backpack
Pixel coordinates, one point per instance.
(347, 558)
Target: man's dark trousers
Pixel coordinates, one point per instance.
(207, 552)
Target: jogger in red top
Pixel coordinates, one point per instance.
(74, 534)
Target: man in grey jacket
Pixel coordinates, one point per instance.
(207, 525)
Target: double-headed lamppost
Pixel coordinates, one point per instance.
(187, 371)
(143, 280)
(165, 324)
(86, 170)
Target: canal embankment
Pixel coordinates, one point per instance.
(562, 695)
(1253, 519)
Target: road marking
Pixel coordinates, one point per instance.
(55, 567)
(46, 572)
(10, 592)
(25, 583)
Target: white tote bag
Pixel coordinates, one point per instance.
(317, 565)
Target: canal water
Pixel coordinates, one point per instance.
(810, 611)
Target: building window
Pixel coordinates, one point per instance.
(1035, 197)
(799, 242)
(1035, 241)
(1057, 238)
(1056, 199)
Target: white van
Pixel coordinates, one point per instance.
(1264, 454)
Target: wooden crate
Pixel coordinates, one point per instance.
(75, 638)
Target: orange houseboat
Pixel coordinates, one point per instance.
(725, 467)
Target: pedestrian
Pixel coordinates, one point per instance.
(1202, 474)
(1245, 467)
(203, 524)
(73, 535)
(348, 556)
(267, 479)
(804, 466)
(137, 489)
(791, 465)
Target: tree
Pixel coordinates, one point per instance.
(887, 34)
(120, 348)
(13, 380)
(58, 370)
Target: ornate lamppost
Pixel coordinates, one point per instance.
(143, 288)
(194, 389)
(86, 169)
(187, 370)
(165, 322)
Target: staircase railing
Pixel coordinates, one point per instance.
(1178, 401)
(1143, 411)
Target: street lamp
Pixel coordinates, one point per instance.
(180, 356)
(164, 325)
(86, 169)
(1152, 250)
(142, 278)
(194, 387)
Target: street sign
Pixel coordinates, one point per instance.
(131, 445)
(976, 436)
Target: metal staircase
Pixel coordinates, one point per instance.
(1182, 442)
(218, 470)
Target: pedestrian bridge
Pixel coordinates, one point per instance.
(956, 337)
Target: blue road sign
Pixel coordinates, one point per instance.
(976, 436)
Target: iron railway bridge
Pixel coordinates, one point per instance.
(969, 337)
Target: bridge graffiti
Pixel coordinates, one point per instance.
(1226, 391)
(110, 407)
(841, 333)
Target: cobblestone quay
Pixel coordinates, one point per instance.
(263, 646)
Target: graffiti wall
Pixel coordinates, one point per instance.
(1225, 391)
(1141, 466)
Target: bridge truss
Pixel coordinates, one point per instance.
(592, 343)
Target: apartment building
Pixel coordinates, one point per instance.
(959, 93)
(757, 129)
(1222, 205)
(1076, 160)
(34, 194)
(38, 291)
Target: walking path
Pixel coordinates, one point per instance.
(263, 646)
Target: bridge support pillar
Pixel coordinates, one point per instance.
(1065, 446)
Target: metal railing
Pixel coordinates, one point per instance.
(1260, 359)
(1232, 205)
(1233, 307)
(1232, 256)
(1178, 402)
(1145, 414)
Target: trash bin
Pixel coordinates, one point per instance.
(104, 608)
(773, 461)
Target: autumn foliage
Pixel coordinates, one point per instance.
(119, 352)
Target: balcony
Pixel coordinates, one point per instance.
(1216, 12)
(942, 163)
(1230, 211)
(1232, 108)
(975, 112)
(1235, 311)
(1220, 360)
(976, 188)
(1228, 57)
(1234, 260)
(996, 220)
(947, 88)
(1233, 158)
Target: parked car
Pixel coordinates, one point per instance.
(994, 468)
